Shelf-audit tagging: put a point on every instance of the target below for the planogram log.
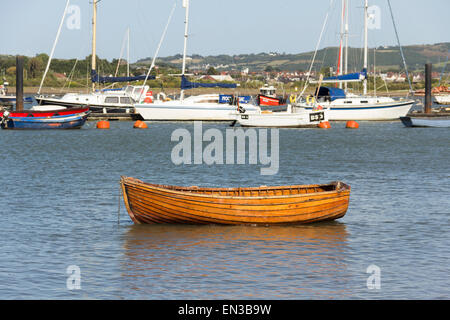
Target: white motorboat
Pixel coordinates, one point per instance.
(206, 107)
(106, 101)
(284, 119)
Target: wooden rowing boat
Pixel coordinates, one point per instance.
(152, 203)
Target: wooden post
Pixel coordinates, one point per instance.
(428, 101)
(19, 83)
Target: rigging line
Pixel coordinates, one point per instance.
(73, 71)
(401, 49)
(159, 47)
(54, 46)
(121, 53)
(315, 52)
(71, 74)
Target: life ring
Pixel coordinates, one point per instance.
(292, 98)
(148, 100)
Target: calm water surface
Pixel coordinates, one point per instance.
(60, 206)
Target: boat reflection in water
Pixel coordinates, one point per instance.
(225, 262)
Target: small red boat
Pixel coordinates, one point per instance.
(267, 97)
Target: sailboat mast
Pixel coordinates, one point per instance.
(53, 48)
(128, 52)
(341, 58)
(94, 39)
(186, 25)
(366, 6)
(346, 41)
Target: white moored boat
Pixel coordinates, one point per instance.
(284, 119)
(106, 101)
(343, 105)
(442, 98)
(207, 107)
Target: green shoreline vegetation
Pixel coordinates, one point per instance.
(67, 75)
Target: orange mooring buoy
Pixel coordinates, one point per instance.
(140, 125)
(103, 124)
(324, 125)
(352, 124)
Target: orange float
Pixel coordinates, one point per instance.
(140, 125)
(352, 124)
(324, 125)
(103, 124)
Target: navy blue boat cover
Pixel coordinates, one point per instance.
(332, 93)
(186, 85)
(349, 77)
(96, 78)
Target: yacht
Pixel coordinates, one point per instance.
(105, 101)
(342, 104)
(207, 107)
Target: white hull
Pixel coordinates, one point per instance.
(303, 119)
(370, 109)
(197, 108)
(442, 99)
(120, 99)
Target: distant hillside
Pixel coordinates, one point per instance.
(387, 59)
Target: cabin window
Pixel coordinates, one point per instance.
(129, 90)
(137, 91)
(348, 101)
(125, 100)
(364, 101)
(112, 100)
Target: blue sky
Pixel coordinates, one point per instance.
(216, 26)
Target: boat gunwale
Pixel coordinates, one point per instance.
(339, 187)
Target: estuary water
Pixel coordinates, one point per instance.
(61, 210)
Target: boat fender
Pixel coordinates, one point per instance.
(318, 107)
(292, 98)
(310, 100)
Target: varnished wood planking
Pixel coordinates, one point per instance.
(148, 203)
